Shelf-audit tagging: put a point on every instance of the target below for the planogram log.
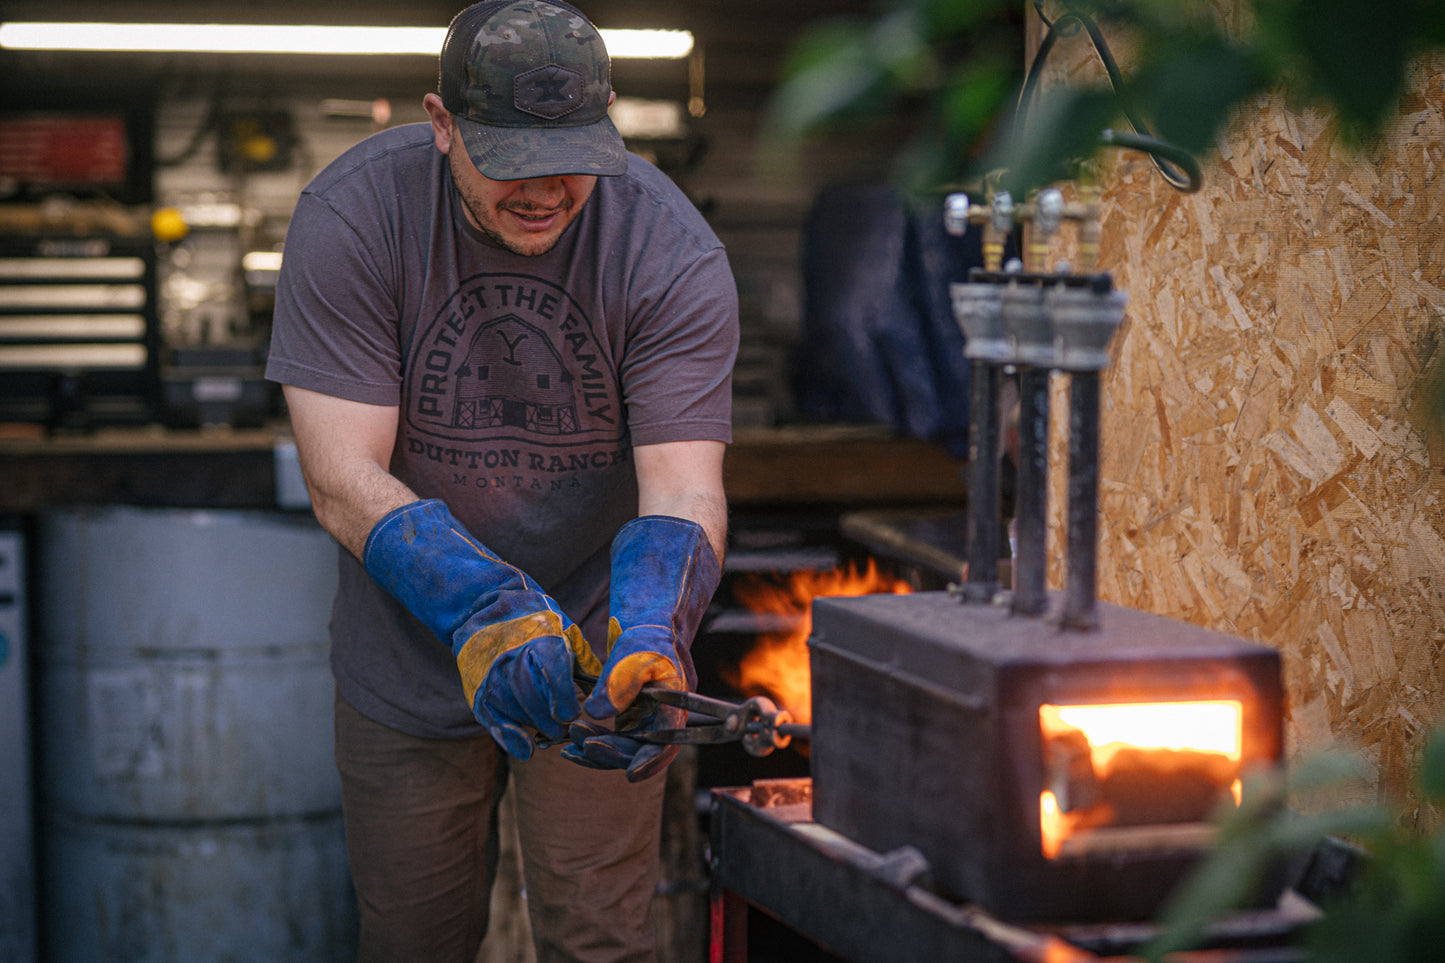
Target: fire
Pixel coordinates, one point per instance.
(1129, 764)
(778, 664)
(1054, 826)
(1215, 726)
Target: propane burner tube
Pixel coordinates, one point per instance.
(1081, 585)
(1030, 567)
(979, 311)
(1033, 323)
(1084, 320)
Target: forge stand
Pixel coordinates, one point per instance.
(872, 907)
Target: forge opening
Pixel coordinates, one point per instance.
(1136, 775)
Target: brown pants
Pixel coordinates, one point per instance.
(421, 835)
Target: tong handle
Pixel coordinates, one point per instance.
(690, 701)
(757, 722)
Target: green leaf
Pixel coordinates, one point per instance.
(1187, 89)
(973, 99)
(1252, 839)
(1431, 779)
(826, 92)
(1063, 128)
(1356, 51)
(1395, 913)
(838, 39)
(895, 41)
(1302, 832)
(1327, 768)
(1221, 883)
(947, 19)
(1350, 54)
(1429, 23)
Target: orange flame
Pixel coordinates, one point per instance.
(1213, 726)
(1054, 826)
(1086, 744)
(778, 664)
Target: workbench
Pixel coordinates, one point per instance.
(842, 466)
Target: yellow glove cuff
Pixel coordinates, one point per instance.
(485, 646)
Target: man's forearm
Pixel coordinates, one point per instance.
(344, 448)
(707, 508)
(684, 480)
(350, 507)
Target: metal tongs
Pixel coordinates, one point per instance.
(757, 723)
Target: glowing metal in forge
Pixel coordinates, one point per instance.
(1135, 764)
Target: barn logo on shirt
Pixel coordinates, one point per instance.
(512, 357)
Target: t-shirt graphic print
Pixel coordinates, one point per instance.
(512, 358)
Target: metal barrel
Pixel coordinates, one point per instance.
(190, 806)
(17, 846)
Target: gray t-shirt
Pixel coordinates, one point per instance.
(523, 382)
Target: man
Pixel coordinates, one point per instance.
(506, 347)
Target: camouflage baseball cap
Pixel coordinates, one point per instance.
(529, 83)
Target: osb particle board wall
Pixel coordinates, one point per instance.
(1266, 471)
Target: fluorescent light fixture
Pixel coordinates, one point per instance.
(275, 38)
(635, 117)
(261, 261)
(221, 38)
(654, 44)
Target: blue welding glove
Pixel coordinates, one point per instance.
(514, 646)
(664, 573)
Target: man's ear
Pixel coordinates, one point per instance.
(441, 122)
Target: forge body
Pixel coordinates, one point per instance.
(926, 733)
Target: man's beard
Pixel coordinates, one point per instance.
(483, 219)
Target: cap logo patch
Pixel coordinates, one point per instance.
(548, 92)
